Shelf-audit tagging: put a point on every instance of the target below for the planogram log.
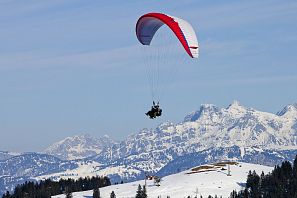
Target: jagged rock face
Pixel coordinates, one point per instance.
(79, 147)
(289, 110)
(237, 125)
(209, 127)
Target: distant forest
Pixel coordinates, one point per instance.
(280, 183)
(48, 188)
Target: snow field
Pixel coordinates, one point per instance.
(211, 181)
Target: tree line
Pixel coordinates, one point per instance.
(280, 183)
(48, 188)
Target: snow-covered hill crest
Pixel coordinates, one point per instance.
(79, 146)
(210, 179)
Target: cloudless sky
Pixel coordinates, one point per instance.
(70, 67)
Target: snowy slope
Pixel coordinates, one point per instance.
(211, 182)
(250, 155)
(89, 169)
(79, 146)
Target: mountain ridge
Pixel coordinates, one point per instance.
(209, 127)
(236, 132)
(79, 146)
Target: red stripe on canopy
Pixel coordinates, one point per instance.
(169, 21)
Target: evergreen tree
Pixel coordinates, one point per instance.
(280, 183)
(143, 194)
(295, 167)
(286, 169)
(253, 183)
(112, 194)
(68, 192)
(69, 195)
(96, 193)
(139, 192)
(293, 182)
(233, 194)
(6, 195)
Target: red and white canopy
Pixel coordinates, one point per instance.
(148, 24)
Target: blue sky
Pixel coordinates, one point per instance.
(72, 66)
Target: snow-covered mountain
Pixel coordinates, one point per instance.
(205, 180)
(29, 165)
(204, 136)
(125, 170)
(6, 155)
(211, 128)
(79, 146)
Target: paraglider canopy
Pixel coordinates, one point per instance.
(148, 24)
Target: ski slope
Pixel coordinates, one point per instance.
(208, 180)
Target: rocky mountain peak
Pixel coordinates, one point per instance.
(164, 126)
(236, 109)
(79, 146)
(290, 110)
(204, 111)
(235, 105)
